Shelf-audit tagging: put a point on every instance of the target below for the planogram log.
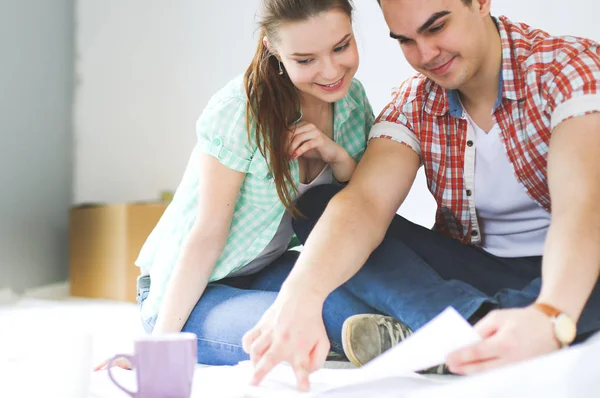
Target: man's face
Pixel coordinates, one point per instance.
(443, 39)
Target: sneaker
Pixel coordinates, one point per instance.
(366, 336)
(334, 356)
(436, 370)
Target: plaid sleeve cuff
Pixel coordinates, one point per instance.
(396, 132)
(577, 106)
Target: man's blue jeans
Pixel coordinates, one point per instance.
(416, 273)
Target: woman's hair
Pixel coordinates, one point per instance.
(273, 100)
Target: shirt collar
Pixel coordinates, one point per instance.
(342, 109)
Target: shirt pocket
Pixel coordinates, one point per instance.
(258, 189)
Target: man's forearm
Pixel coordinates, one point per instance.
(571, 262)
(355, 221)
(572, 252)
(337, 247)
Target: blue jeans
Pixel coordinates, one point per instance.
(416, 273)
(413, 275)
(232, 306)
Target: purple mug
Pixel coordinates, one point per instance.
(164, 365)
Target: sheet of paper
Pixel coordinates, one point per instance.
(391, 373)
(230, 382)
(563, 374)
(567, 373)
(427, 347)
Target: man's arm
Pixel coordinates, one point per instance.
(571, 261)
(356, 219)
(351, 227)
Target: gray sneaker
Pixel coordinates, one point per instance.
(367, 336)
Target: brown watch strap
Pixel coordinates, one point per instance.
(547, 309)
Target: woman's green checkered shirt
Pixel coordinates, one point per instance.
(222, 133)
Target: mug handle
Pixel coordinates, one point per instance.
(131, 359)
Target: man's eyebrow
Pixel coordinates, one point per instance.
(432, 20)
(423, 27)
(397, 37)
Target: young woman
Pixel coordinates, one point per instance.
(297, 118)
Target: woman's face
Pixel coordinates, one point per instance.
(319, 54)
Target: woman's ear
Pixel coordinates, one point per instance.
(269, 47)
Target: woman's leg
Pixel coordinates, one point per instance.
(224, 313)
(221, 318)
(231, 307)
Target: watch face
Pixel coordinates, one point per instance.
(565, 329)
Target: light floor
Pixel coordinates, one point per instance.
(34, 333)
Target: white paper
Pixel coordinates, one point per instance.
(391, 373)
(567, 373)
(229, 382)
(427, 347)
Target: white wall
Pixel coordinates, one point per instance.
(146, 69)
(36, 73)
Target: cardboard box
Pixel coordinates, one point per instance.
(104, 241)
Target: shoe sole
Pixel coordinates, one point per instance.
(346, 342)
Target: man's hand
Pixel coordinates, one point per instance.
(291, 330)
(508, 336)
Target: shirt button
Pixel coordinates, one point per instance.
(469, 143)
(217, 142)
(469, 193)
(474, 233)
(269, 176)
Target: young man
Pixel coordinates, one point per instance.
(505, 120)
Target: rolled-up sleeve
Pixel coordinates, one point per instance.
(222, 133)
(393, 125)
(575, 89)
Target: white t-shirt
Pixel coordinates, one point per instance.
(512, 223)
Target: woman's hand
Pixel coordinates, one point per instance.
(120, 363)
(308, 141)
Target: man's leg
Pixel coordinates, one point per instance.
(416, 273)
(415, 280)
(588, 323)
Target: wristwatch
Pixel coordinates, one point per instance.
(565, 328)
